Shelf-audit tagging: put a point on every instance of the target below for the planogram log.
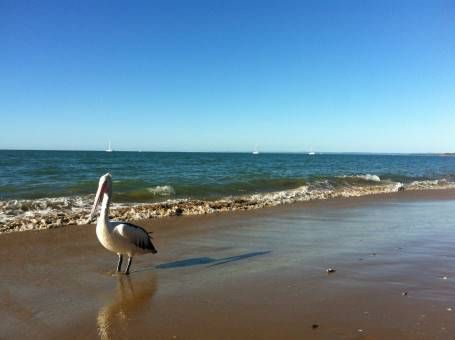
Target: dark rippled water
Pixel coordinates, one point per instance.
(154, 176)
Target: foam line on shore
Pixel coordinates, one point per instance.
(46, 213)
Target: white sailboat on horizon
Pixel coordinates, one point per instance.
(255, 151)
(109, 149)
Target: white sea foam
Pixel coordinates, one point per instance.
(45, 213)
(162, 190)
(366, 177)
(430, 184)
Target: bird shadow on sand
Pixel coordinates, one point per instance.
(198, 261)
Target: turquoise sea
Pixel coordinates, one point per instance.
(50, 188)
(154, 176)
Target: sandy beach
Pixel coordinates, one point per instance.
(257, 274)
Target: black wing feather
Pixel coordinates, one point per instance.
(141, 243)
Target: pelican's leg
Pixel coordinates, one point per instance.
(127, 270)
(119, 265)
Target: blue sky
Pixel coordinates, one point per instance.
(372, 76)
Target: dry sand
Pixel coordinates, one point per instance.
(250, 275)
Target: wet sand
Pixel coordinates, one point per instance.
(251, 275)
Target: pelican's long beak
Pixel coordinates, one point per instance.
(99, 194)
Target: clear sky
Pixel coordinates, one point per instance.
(373, 76)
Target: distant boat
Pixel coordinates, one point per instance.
(109, 149)
(311, 153)
(255, 152)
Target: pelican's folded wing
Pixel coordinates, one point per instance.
(135, 234)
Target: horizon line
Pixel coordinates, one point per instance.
(243, 152)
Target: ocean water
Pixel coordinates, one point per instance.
(47, 182)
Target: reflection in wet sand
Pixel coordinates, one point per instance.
(132, 298)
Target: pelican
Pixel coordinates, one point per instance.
(119, 237)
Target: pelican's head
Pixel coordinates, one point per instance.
(104, 187)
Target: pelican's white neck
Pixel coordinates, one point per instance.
(104, 213)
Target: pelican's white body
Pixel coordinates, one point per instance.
(114, 236)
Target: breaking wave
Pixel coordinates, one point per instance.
(162, 190)
(45, 213)
(368, 177)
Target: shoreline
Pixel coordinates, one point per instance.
(144, 211)
(259, 274)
